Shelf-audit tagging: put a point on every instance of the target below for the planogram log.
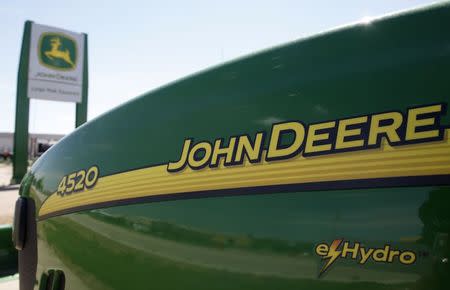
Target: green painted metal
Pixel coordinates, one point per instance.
(8, 254)
(81, 108)
(258, 241)
(20, 158)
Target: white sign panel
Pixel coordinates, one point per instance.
(56, 64)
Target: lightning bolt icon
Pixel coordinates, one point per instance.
(332, 255)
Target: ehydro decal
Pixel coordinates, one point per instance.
(356, 251)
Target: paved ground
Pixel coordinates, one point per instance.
(5, 173)
(8, 196)
(9, 283)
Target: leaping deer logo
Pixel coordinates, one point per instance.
(58, 53)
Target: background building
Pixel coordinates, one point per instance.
(37, 143)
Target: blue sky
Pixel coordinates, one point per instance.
(137, 46)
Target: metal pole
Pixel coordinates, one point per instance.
(20, 158)
(81, 108)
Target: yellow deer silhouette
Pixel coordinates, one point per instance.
(55, 52)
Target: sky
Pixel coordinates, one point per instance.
(137, 46)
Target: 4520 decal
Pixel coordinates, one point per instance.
(78, 181)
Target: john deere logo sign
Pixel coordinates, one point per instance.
(56, 64)
(57, 51)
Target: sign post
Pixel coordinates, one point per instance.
(20, 157)
(53, 66)
(81, 108)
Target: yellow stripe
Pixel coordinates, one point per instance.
(425, 159)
